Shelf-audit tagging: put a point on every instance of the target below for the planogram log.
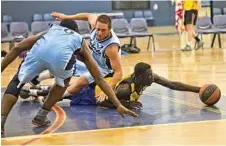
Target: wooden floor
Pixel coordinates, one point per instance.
(195, 67)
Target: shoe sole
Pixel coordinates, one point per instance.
(39, 125)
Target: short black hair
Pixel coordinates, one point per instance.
(140, 68)
(105, 19)
(71, 24)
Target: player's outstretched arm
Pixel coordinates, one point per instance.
(93, 69)
(175, 85)
(91, 18)
(24, 45)
(112, 54)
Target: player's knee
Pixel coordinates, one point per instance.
(82, 82)
(12, 87)
(74, 88)
(189, 27)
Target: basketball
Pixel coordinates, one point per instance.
(209, 94)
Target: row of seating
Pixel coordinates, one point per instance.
(218, 11)
(47, 16)
(36, 17)
(138, 28)
(205, 26)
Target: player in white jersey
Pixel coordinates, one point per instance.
(54, 50)
(105, 48)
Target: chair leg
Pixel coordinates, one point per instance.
(11, 45)
(219, 40)
(153, 41)
(202, 39)
(213, 40)
(149, 38)
(135, 41)
(131, 40)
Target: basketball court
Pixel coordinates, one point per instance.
(167, 118)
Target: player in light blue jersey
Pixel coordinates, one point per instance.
(54, 50)
(105, 49)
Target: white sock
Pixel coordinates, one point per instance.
(66, 93)
(188, 43)
(33, 92)
(45, 75)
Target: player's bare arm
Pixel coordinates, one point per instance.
(174, 85)
(112, 54)
(91, 18)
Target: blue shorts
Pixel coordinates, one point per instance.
(86, 96)
(33, 65)
(81, 70)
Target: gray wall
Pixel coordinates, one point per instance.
(23, 10)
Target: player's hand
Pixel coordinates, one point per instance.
(136, 105)
(58, 16)
(123, 110)
(102, 97)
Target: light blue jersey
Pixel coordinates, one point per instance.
(54, 51)
(98, 49)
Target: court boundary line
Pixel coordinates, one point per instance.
(107, 129)
(59, 121)
(36, 137)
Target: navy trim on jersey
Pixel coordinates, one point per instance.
(110, 45)
(108, 62)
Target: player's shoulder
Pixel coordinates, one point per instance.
(114, 37)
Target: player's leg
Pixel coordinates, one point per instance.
(84, 79)
(28, 70)
(62, 79)
(9, 99)
(54, 96)
(188, 22)
(199, 43)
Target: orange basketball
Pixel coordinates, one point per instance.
(209, 94)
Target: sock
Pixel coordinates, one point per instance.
(197, 39)
(188, 43)
(33, 92)
(3, 120)
(66, 94)
(42, 112)
(45, 87)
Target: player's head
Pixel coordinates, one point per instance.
(103, 27)
(70, 24)
(143, 74)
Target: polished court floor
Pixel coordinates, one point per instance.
(168, 117)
